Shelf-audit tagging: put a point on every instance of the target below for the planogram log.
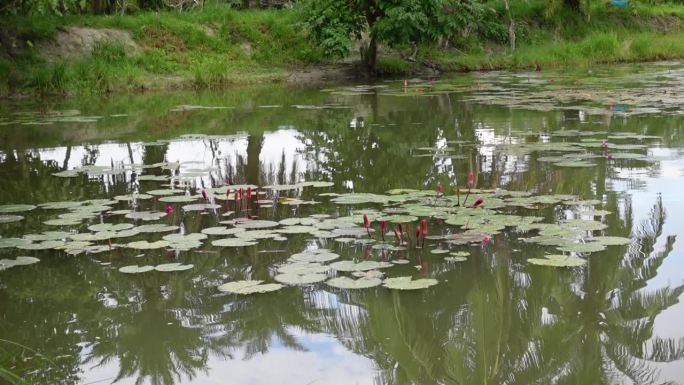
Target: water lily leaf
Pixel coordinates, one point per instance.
(558, 261)
(297, 229)
(132, 197)
(368, 274)
(398, 218)
(19, 261)
(153, 177)
(201, 207)
(233, 242)
(319, 255)
(146, 215)
(222, 230)
(167, 267)
(460, 254)
(408, 283)
(302, 268)
(350, 283)
(439, 251)
(59, 205)
(300, 279)
(584, 225)
(345, 240)
(178, 199)
(45, 245)
(10, 218)
(5, 209)
(135, 269)
(249, 287)
(360, 266)
(400, 261)
(399, 191)
(164, 192)
(156, 228)
(574, 163)
(590, 247)
(317, 184)
(611, 241)
(145, 245)
(256, 224)
(110, 227)
(62, 222)
(455, 259)
(251, 235)
(48, 236)
(180, 238)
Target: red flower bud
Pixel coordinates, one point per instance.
(440, 189)
(424, 227)
(471, 179)
(486, 239)
(479, 201)
(168, 210)
(204, 194)
(366, 222)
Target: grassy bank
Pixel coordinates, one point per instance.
(217, 46)
(206, 48)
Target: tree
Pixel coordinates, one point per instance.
(335, 23)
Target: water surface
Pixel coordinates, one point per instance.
(492, 319)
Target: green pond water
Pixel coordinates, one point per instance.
(236, 237)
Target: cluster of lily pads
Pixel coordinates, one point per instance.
(248, 215)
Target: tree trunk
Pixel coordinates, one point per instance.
(573, 4)
(371, 55)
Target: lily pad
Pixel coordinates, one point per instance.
(5, 209)
(10, 218)
(360, 266)
(135, 269)
(300, 279)
(45, 245)
(590, 247)
(110, 227)
(222, 230)
(132, 197)
(145, 245)
(19, 261)
(408, 283)
(167, 267)
(249, 287)
(201, 207)
(319, 255)
(611, 241)
(157, 228)
(146, 215)
(233, 242)
(558, 260)
(180, 238)
(303, 268)
(256, 224)
(178, 199)
(350, 283)
(62, 222)
(455, 259)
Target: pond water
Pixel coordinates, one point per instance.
(136, 212)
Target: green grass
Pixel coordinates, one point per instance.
(204, 48)
(216, 46)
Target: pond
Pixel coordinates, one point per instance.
(488, 228)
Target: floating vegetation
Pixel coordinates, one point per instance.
(354, 284)
(557, 260)
(408, 283)
(5, 209)
(135, 269)
(168, 267)
(10, 218)
(249, 287)
(18, 261)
